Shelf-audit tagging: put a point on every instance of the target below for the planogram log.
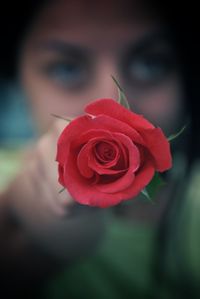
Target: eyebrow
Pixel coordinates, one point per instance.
(66, 48)
(151, 39)
(62, 47)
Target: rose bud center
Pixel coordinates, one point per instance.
(105, 152)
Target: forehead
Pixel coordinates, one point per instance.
(67, 14)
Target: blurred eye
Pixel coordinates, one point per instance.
(67, 74)
(150, 68)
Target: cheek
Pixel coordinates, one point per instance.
(47, 98)
(162, 105)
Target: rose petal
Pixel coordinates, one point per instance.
(134, 155)
(74, 132)
(113, 109)
(159, 147)
(89, 195)
(82, 160)
(61, 174)
(128, 178)
(142, 179)
(100, 169)
(122, 183)
(106, 151)
(103, 168)
(98, 134)
(87, 163)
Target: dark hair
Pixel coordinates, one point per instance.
(185, 29)
(15, 20)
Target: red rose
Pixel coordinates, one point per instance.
(110, 154)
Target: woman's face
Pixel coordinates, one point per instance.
(72, 50)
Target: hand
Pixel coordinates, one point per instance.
(52, 219)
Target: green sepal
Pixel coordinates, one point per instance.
(147, 196)
(174, 136)
(122, 99)
(60, 117)
(61, 190)
(152, 188)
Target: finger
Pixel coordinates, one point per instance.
(47, 167)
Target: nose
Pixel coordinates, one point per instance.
(105, 87)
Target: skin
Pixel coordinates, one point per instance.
(66, 61)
